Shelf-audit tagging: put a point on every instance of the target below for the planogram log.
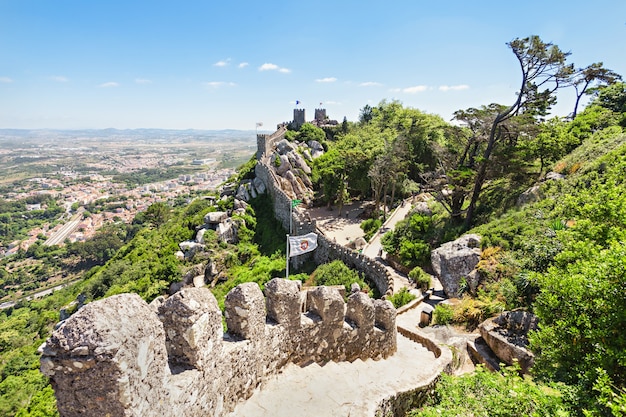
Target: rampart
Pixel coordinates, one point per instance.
(327, 250)
(265, 143)
(122, 357)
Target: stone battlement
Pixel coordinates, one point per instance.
(122, 357)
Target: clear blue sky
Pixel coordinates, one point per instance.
(229, 64)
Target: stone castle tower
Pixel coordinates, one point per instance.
(298, 118)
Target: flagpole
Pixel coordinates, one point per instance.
(287, 275)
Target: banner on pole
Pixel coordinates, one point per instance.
(302, 244)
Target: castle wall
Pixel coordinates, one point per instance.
(327, 250)
(122, 357)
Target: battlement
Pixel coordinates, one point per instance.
(120, 356)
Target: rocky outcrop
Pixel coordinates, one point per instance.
(453, 262)
(507, 336)
(122, 357)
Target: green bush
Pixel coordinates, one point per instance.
(443, 314)
(485, 393)
(337, 273)
(421, 278)
(401, 298)
(370, 226)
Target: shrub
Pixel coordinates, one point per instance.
(401, 298)
(370, 226)
(421, 278)
(485, 393)
(443, 314)
(337, 273)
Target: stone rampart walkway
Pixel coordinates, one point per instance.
(343, 389)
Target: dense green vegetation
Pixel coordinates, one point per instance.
(487, 394)
(17, 218)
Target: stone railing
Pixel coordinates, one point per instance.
(122, 357)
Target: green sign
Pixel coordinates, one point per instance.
(294, 203)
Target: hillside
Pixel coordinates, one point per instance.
(551, 216)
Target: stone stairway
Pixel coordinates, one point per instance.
(342, 388)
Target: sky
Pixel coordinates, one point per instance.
(76, 64)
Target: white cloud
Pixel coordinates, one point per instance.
(59, 78)
(326, 80)
(109, 84)
(268, 67)
(243, 65)
(142, 81)
(222, 63)
(273, 67)
(5, 80)
(370, 84)
(453, 87)
(218, 84)
(415, 89)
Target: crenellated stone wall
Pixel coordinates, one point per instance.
(327, 250)
(265, 143)
(122, 357)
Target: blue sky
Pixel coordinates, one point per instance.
(229, 64)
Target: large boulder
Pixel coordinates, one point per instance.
(453, 261)
(507, 336)
(283, 166)
(284, 146)
(298, 162)
(317, 149)
(258, 185)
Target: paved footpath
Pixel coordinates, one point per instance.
(342, 389)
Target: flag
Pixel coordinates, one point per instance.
(297, 102)
(259, 124)
(302, 244)
(294, 203)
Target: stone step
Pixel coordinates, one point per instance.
(480, 352)
(342, 388)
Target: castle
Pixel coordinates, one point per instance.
(123, 357)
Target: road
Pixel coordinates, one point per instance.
(39, 294)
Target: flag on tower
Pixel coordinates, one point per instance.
(302, 244)
(297, 102)
(259, 124)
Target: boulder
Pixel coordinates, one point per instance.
(507, 336)
(258, 185)
(453, 261)
(529, 196)
(200, 235)
(359, 243)
(227, 232)
(307, 155)
(554, 176)
(297, 161)
(284, 146)
(215, 217)
(242, 193)
(284, 166)
(317, 149)
(422, 208)
(237, 204)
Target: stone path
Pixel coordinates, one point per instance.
(342, 389)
